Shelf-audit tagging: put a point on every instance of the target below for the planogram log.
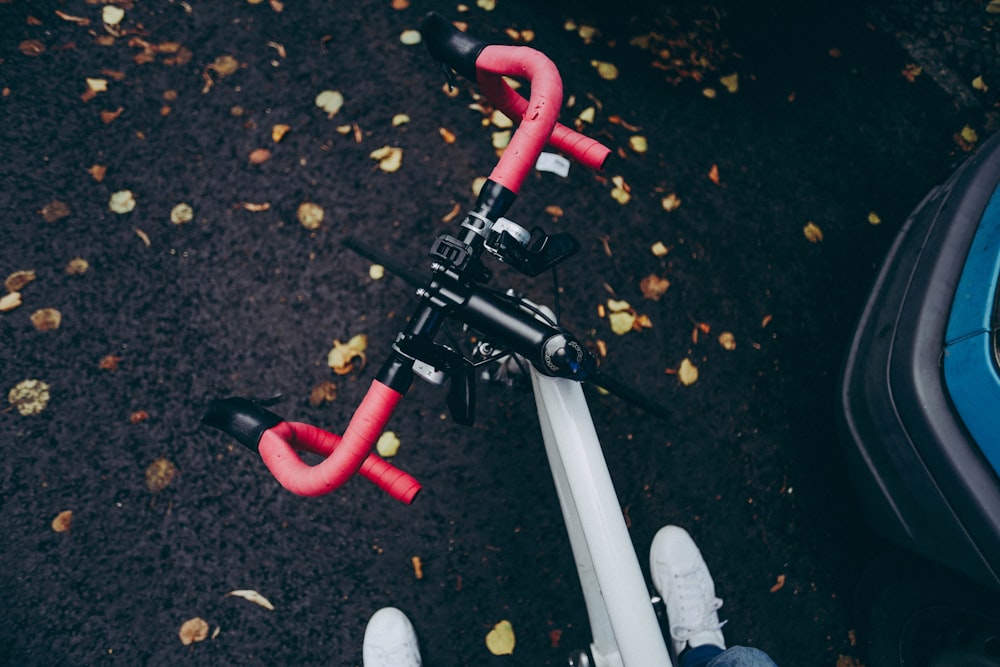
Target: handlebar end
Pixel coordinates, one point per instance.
(450, 45)
(240, 418)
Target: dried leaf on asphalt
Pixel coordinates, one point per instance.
(410, 37)
(62, 521)
(46, 319)
(387, 445)
(18, 280)
(256, 208)
(259, 156)
(346, 357)
(97, 172)
(225, 65)
(54, 210)
(486, 5)
(252, 596)
(400, 119)
(873, 218)
(109, 363)
(979, 84)
(109, 116)
(727, 340)
(324, 392)
(653, 286)
(671, 202)
(77, 266)
(122, 202)
(638, 143)
(418, 567)
(193, 630)
(607, 71)
(659, 249)
(159, 474)
(29, 397)
(310, 215)
(622, 192)
(138, 417)
(501, 640)
(376, 272)
(713, 174)
(687, 373)
(181, 213)
(10, 301)
(279, 131)
(447, 135)
(778, 584)
(330, 101)
(31, 48)
(389, 158)
(731, 82)
(812, 232)
(112, 15)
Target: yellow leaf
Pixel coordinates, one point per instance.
(618, 305)
(29, 397)
(671, 202)
(279, 131)
(979, 84)
(389, 158)
(727, 340)
(376, 272)
(606, 70)
(400, 119)
(252, 596)
(310, 215)
(873, 218)
(653, 286)
(587, 115)
(621, 322)
(387, 445)
(501, 120)
(500, 640)
(659, 249)
(638, 143)
(330, 101)
(410, 37)
(812, 232)
(687, 373)
(159, 474)
(969, 135)
(342, 357)
(731, 82)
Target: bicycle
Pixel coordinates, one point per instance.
(624, 626)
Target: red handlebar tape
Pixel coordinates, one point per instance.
(538, 115)
(345, 455)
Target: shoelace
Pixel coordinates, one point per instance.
(697, 611)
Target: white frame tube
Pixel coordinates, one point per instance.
(624, 626)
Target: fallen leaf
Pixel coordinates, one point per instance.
(622, 192)
(765, 321)
(55, 210)
(29, 397)
(387, 445)
(687, 373)
(993, 7)
(477, 184)
(77, 266)
(110, 116)
(969, 135)
(279, 131)
(979, 84)
(138, 416)
(63, 521)
(46, 319)
(400, 4)
(324, 392)
(109, 363)
(18, 280)
(410, 37)
(486, 5)
(343, 355)
(873, 218)
(727, 340)
(587, 115)
(31, 48)
(671, 202)
(193, 630)
(181, 213)
(389, 158)
(78, 20)
(607, 71)
(376, 272)
(659, 249)
(418, 567)
(709, 93)
(554, 211)
(731, 82)
(10, 301)
(256, 208)
(713, 174)
(400, 119)
(225, 65)
(500, 640)
(911, 72)
(159, 474)
(638, 143)
(112, 15)
(501, 139)
(778, 583)
(252, 596)
(122, 202)
(310, 215)
(330, 101)
(259, 156)
(621, 322)
(653, 286)
(143, 236)
(812, 232)
(501, 120)
(447, 135)
(97, 172)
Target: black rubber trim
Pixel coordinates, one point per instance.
(241, 418)
(450, 45)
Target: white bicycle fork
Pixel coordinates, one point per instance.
(624, 626)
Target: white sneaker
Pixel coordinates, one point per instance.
(683, 581)
(390, 640)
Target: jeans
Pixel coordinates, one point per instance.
(709, 655)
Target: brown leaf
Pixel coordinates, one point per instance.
(713, 174)
(97, 172)
(78, 20)
(31, 48)
(18, 280)
(260, 156)
(779, 582)
(193, 630)
(324, 392)
(653, 286)
(46, 319)
(62, 522)
(109, 363)
(138, 416)
(54, 210)
(109, 116)
(418, 567)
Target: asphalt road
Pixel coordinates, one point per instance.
(821, 127)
